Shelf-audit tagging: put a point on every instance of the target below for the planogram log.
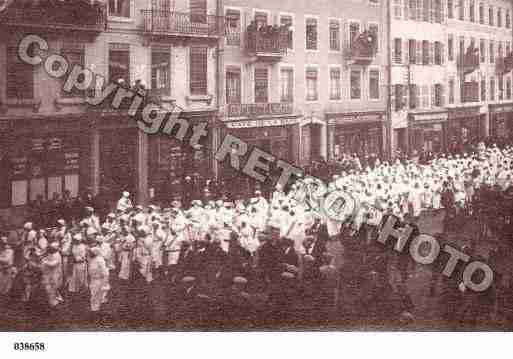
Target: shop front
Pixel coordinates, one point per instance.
(361, 133)
(273, 128)
(464, 128)
(42, 159)
(501, 121)
(427, 131)
(171, 161)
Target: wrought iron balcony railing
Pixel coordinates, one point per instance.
(268, 41)
(171, 23)
(72, 15)
(363, 48)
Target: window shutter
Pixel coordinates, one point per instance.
(417, 95)
(198, 10)
(431, 53)
(198, 70)
(405, 96)
(433, 95)
(406, 12)
(419, 10)
(442, 51)
(419, 52)
(405, 50)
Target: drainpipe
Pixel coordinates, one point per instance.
(219, 88)
(388, 124)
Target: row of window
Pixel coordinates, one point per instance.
(419, 10)
(433, 53)
(261, 84)
(20, 76)
(415, 96)
(433, 11)
(494, 49)
(261, 19)
(418, 52)
(467, 12)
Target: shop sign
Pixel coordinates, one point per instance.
(429, 117)
(501, 108)
(355, 118)
(262, 123)
(259, 109)
(464, 112)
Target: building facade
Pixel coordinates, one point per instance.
(451, 70)
(53, 141)
(305, 80)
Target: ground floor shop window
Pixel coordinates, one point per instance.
(43, 168)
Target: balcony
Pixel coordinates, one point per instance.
(504, 64)
(267, 43)
(363, 48)
(160, 23)
(470, 92)
(259, 109)
(469, 62)
(56, 17)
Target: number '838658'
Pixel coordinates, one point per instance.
(29, 346)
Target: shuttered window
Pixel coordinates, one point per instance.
(233, 27)
(334, 35)
(335, 90)
(374, 84)
(356, 84)
(75, 55)
(20, 76)
(261, 86)
(286, 20)
(233, 86)
(119, 63)
(160, 71)
(198, 70)
(198, 10)
(312, 93)
(287, 85)
(311, 34)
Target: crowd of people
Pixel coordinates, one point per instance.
(263, 256)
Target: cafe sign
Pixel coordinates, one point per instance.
(259, 109)
(262, 123)
(501, 108)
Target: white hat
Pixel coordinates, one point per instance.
(126, 194)
(28, 225)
